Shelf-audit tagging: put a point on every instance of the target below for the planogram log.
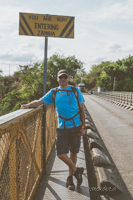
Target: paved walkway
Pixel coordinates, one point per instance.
(53, 185)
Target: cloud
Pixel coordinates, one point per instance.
(12, 55)
(1, 36)
(113, 47)
(110, 11)
(128, 48)
(97, 59)
(26, 45)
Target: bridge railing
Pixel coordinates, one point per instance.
(22, 149)
(123, 99)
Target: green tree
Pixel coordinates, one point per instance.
(6, 85)
(104, 74)
(90, 79)
(128, 84)
(58, 62)
(11, 102)
(30, 80)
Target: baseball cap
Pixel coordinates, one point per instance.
(61, 72)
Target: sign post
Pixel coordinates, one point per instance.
(45, 65)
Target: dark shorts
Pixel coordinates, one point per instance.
(68, 140)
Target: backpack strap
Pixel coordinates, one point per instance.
(54, 94)
(76, 94)
(74, 90)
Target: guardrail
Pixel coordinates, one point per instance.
(23, 149)
(123, 99)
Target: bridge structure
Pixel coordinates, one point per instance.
(30, 169)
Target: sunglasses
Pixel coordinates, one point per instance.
(63, 76)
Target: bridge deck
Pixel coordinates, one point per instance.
(53, 185)
(115, 126)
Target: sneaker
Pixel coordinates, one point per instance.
(78, 175)
(69, 184)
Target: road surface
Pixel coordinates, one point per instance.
(115, 126)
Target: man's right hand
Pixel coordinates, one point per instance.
(33, 104)
(25, 106)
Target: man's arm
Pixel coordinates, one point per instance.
(33, 104)
(82, 116)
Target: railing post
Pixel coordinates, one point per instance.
(13, 167)
(44, 139)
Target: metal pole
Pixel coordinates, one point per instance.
(45, 65)
(44, 107)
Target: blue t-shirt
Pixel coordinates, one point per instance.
(66, 106)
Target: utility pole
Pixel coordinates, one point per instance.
(114, 84)
(9, 70)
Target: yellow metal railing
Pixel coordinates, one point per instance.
(21, 151)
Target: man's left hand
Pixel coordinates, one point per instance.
(82, 132)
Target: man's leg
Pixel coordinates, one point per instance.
(72, 168)
(68, 161)
(73, 157)
(64, 141)
(75, 145)
(77, 172)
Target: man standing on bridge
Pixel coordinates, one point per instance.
(71, 123)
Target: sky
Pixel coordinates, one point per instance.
(103, 31)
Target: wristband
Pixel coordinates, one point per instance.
(83, 127)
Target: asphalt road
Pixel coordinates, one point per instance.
(115, 126)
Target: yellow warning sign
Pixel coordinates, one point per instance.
(46, 25)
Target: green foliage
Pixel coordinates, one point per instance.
(6, 85)
(90, 79)
(11, 101)
(16, 76)
(56, 63)
(128, 84)
(104, 74)
(26, 84)
(31, 79)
